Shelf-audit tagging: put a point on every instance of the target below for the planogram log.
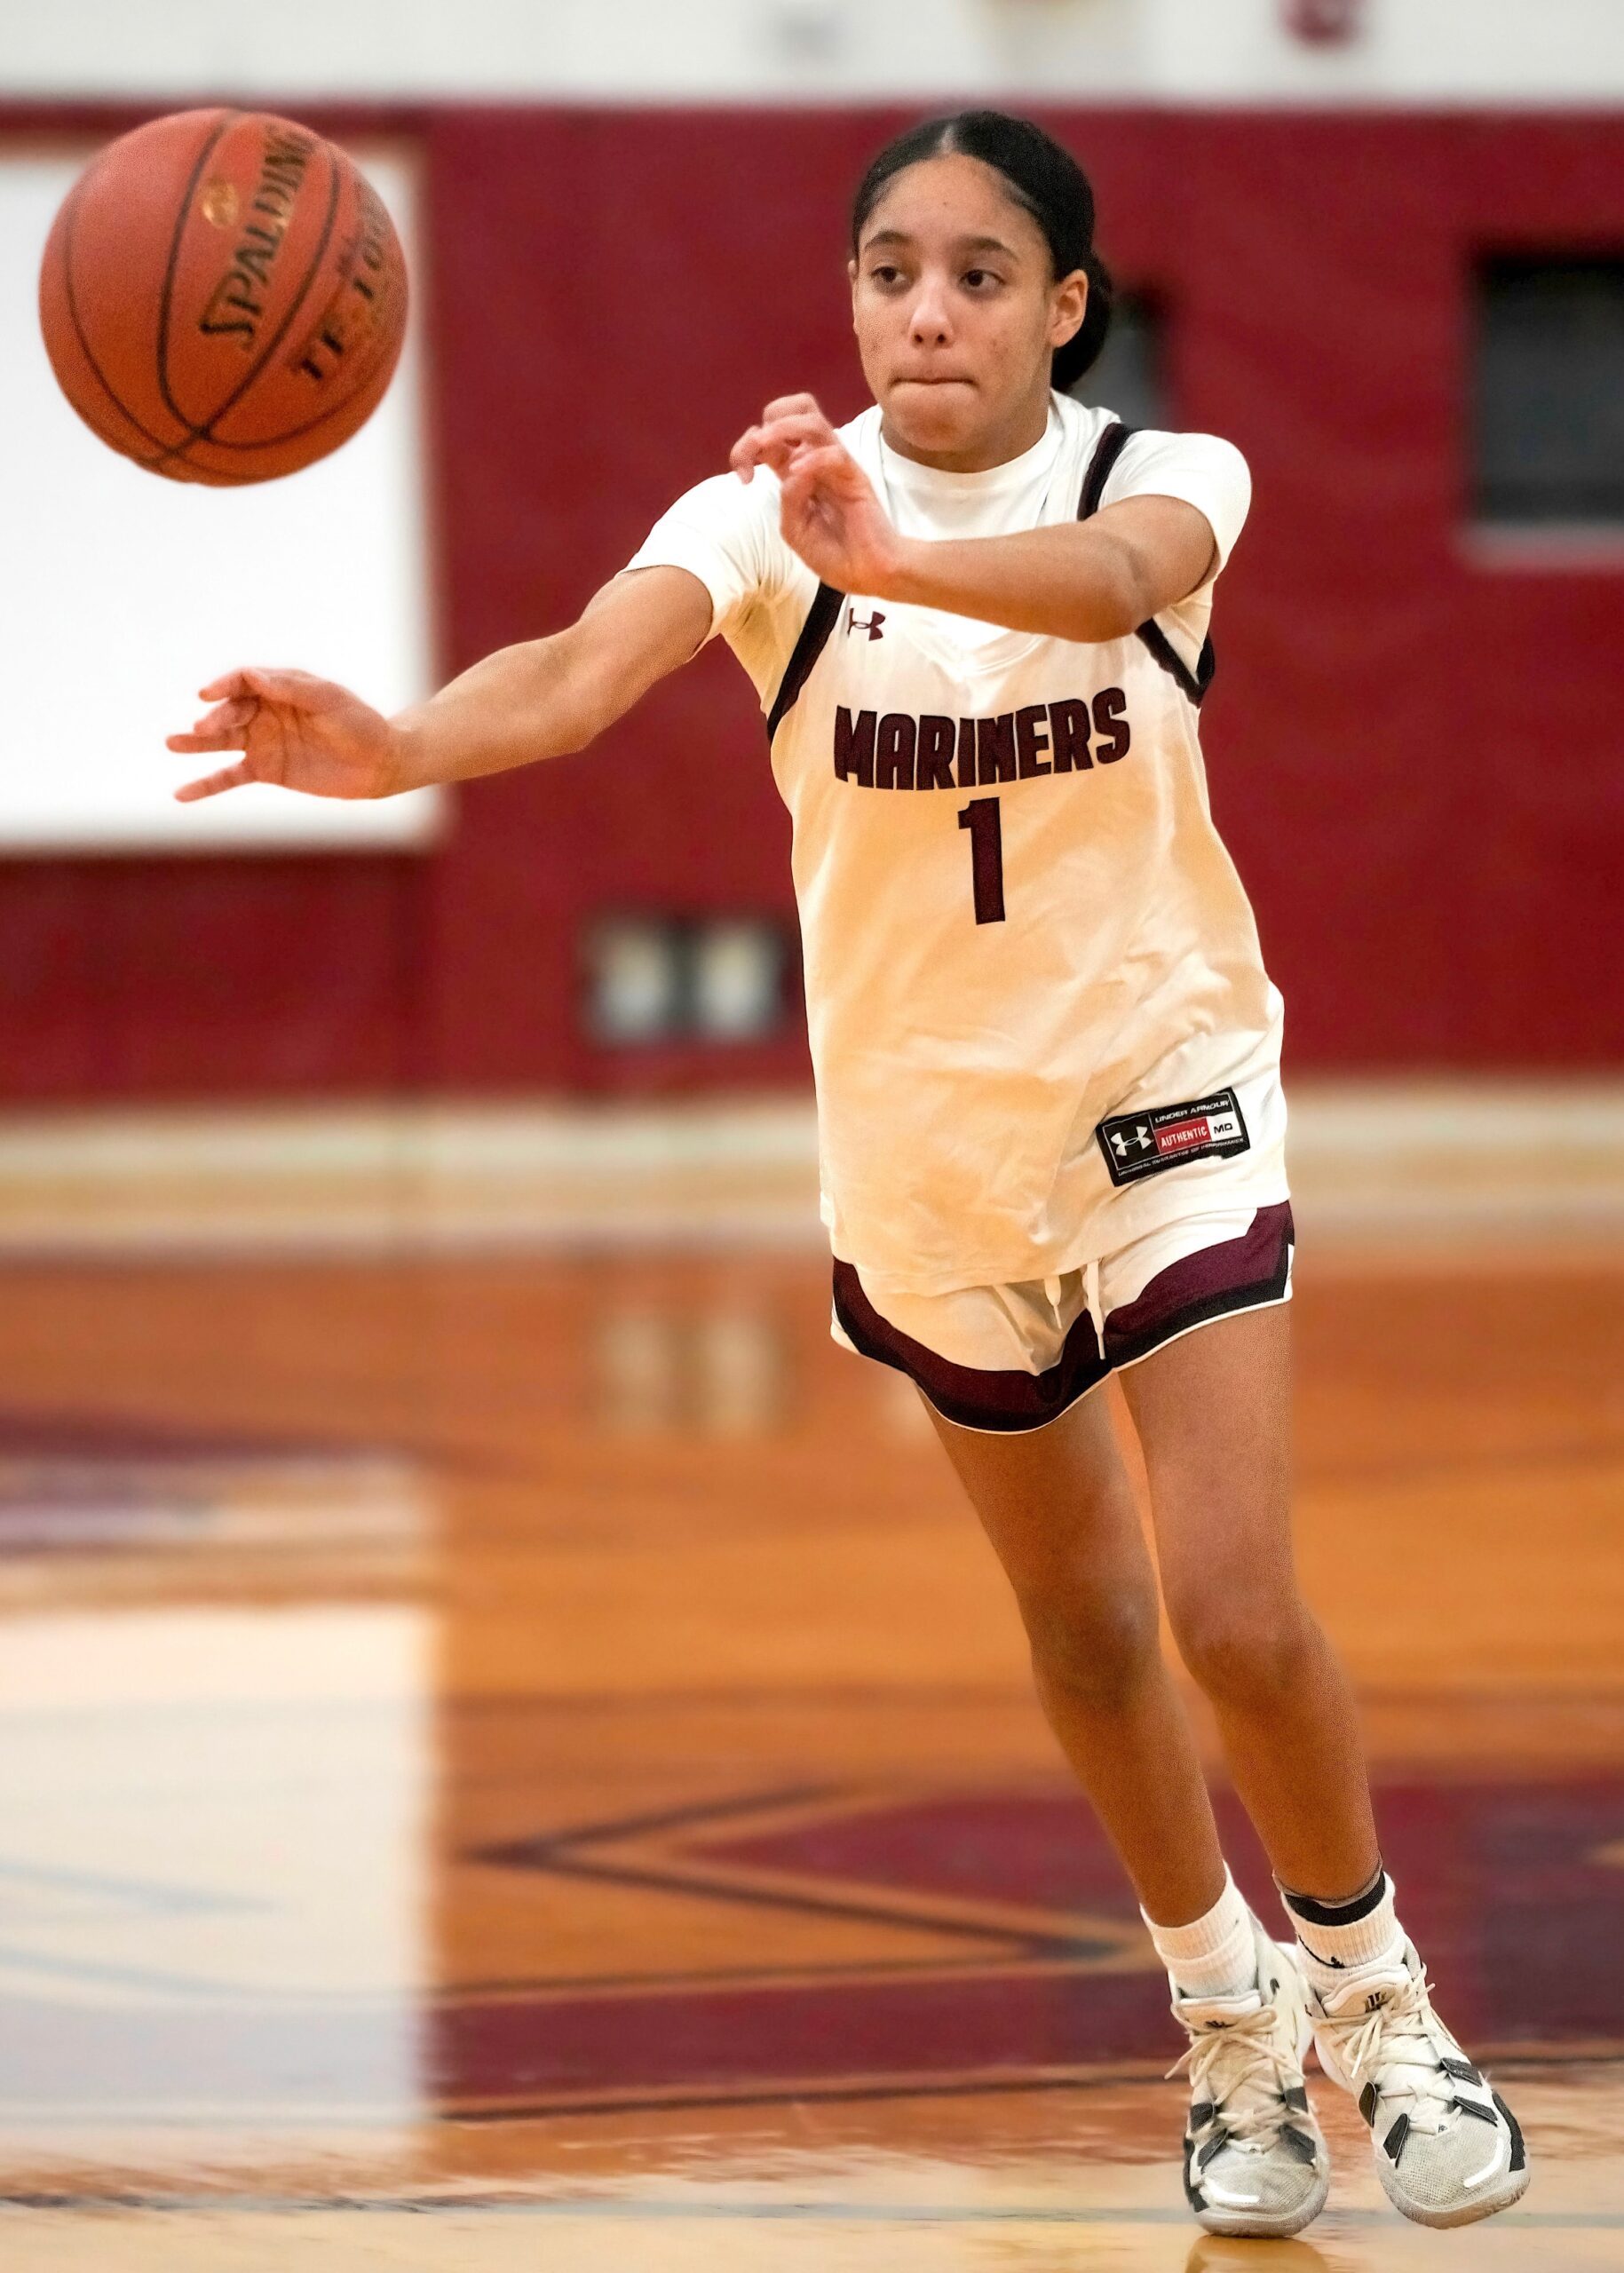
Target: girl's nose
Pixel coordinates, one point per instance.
(928, 320)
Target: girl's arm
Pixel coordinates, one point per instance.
(1098, 579)
(535, 701)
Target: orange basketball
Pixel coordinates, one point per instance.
(223, 297)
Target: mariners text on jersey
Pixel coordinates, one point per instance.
(894, 750)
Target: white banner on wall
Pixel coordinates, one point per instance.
(121, 593)
(1516, 52)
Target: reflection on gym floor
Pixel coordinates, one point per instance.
(534, 1762)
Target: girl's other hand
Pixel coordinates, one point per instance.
(295, 731)
(828, 511)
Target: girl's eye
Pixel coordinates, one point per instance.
(884, 273)
(976, 277)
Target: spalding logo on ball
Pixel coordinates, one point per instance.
(223, 297)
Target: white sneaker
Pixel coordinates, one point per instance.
(1448, 2147)
(1255, 2158)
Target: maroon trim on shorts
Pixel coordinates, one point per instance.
(1240, 1274)
(1004, 1403)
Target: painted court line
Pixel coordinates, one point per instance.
(643, 2213)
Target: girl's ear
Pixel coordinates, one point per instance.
(1070, 306)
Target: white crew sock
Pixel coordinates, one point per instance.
(1215, 1955)
(1340, 1939)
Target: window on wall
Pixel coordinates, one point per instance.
(164, 584)
(661, 980)
(1129, 378)
(1549, 424)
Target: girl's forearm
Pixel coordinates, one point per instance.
(1069, 582)
(510, 708)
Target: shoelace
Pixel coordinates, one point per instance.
(1223, 2066)
(1397, 2040)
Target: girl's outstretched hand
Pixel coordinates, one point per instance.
(295, 731)
(829, 510)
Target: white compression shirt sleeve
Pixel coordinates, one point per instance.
(725, 532)
(1201, 468)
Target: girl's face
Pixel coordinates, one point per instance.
(957, 314)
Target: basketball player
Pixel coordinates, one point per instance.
(1047, 1068)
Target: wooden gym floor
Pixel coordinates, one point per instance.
(530, 1764)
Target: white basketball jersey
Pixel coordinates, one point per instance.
(1019, 924)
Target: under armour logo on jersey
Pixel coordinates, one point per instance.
(1145, 1143)
(854, 623)
(1128, 1144)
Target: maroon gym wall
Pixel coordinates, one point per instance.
(1414, 755)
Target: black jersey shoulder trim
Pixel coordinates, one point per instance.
(1109, 448)
(821, 620)
(1194, 682)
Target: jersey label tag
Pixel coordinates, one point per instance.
(1143, 1144)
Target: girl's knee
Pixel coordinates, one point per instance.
(1243, 1650)
(1096, 1645)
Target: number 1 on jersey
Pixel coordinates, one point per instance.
(980, 818)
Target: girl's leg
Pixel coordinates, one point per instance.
(1211, 1411)
(1058, 1508)
(1213, 1416)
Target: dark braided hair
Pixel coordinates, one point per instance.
(1040, 176)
